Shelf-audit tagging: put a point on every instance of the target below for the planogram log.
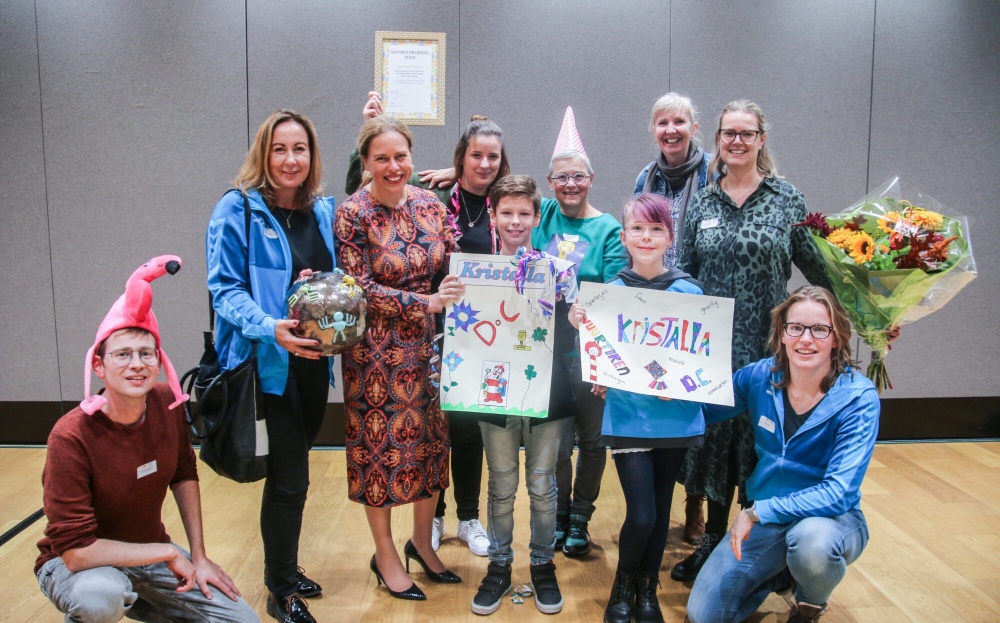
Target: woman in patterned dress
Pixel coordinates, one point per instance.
(739, 241)
(396, 240)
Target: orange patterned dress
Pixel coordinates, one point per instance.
(396, 434)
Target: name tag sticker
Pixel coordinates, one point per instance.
(766, 423)
(710, 223)
(145, 470)
(270, 233)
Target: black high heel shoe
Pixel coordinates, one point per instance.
(445, 577)
(413, 593)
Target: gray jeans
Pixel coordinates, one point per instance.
(146, 593)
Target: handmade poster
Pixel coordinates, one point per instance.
(497, 351)
(657, 343)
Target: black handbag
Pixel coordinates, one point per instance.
(228, 416)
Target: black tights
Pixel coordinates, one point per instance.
(717, 521)
(647, 480)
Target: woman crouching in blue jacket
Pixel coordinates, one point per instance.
(815, 420)
(649, 437)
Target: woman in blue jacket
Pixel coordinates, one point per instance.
(649, 437)
(815, 420)
(290, 235)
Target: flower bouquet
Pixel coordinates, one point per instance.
(892, 261)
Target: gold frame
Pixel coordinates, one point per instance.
(384, 38)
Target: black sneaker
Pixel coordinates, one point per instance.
(291, 609)
(495, 585)
(577, 537)
(687, 569)
(562, 525)
(548, 599)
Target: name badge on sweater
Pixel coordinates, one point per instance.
(270, 233)
(709, 223)
(766, 423)
(145, 470)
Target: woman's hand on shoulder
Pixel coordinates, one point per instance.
(438, 178)
(295, 345)
(373, 107)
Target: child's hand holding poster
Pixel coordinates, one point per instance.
(497, 352)
(657, 343)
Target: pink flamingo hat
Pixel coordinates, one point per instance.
(569, 138)
(133, 310)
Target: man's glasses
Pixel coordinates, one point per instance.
(123, 356)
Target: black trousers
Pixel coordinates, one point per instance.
(293, 421)
(466, 465)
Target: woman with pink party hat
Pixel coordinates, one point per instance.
(572, 229)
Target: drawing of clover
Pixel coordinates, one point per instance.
(539, 334)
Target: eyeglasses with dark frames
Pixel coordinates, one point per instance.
(818, 331)
(749, 137)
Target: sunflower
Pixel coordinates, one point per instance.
(926, 219)
(841, 237)
(888, 222)
(862, 248)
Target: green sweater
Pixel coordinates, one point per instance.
(604, 256)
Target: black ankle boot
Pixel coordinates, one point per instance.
(687, 569)
(647, 606)
(622, 599)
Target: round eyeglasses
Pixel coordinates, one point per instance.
(656, 230)
(123, 356)
(818, 331)
(562, 179)
(748, 137)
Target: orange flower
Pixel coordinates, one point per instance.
(888, 222)
(862, 248)
(926, 219)
(841, 237)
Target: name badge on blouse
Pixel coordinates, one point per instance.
(270, 233)
(145, 470)
(766, 423)
(710, 223)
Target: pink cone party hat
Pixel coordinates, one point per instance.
(569, 138)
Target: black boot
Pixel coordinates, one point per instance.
(687, 569)
(647, 606)
(622, 599)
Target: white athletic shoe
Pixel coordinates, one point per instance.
(437, 531)
(472, 532)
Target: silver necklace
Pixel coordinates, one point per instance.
(472, 221)
(288, 217)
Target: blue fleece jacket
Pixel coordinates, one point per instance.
(240, 319)
(629, 416)
(818, 471)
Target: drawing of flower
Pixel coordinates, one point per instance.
(463, 315)
(452, 360)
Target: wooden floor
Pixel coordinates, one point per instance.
(934, 554)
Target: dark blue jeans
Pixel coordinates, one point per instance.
(647, 480)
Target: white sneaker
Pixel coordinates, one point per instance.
(472, 532)
(437, 531)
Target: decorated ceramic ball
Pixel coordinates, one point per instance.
(331, 308)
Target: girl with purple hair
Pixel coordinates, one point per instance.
(648, 437)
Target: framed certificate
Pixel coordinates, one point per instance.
(410, 75)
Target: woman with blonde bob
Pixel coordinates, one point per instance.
(396, 240)
(290, 234)
(815, 424)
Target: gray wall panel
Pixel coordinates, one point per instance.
(145, 109)
(28, 358)
(320, 60)
(936, 104)
(523, 62)
(808, 66)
